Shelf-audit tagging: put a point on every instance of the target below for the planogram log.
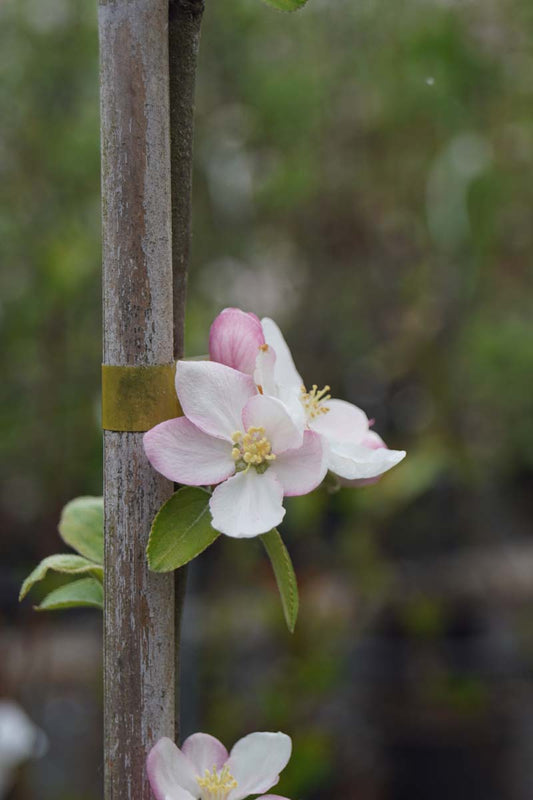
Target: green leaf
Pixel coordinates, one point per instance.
(86, 592)
(65, 562)
(285, 576)
(181, 530)
(286, 5)
(82, 527)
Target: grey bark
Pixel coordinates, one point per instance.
(185, 19)
(139, 669)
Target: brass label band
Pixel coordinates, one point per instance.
(137, 398)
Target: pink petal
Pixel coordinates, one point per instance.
(204, 752)
(302, 470)
(183, 453)
(213, 396)
(344, 422)
(271, 797)
(247, 504)
(170, 772)
(354, 461)
(270, 414)
(286, 373)
(256, 761)
(234, 339)
(373, 440)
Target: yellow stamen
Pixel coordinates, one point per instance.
(253, 447)
(216, 785)
(312, 401)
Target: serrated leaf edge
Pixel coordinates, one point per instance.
(200, 515)
(70, 503)
(272, 4)
(291, 608)
(91, 566)
(66, 605)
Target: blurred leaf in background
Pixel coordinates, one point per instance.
(363, 174)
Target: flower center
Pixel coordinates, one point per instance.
(216, 785)
(313, 401)
(252, 449)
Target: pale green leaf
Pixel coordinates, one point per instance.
(82, 527)
(286, 5)
(181, 530)
(86, 592)
(285, 576)
(64, 562)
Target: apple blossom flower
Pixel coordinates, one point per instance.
(20, 740)
(352, 450)
(204, 770)
(235, 338)
(374, 441)
(244, 442)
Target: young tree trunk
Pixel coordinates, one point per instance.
(185, 18)
(139, 623)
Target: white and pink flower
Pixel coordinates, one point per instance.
(245, 443)
(204, 770)
(20, 740)
(257, 348)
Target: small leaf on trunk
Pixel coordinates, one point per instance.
(86, 592)
(286, 5)
(181, 530)
(82, 527)
(65, 563)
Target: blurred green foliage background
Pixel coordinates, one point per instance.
(363, 175)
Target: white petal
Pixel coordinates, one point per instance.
(356, 461)
(247, 504)
(373, 441)
(205, 752)
(171, 774)
(183, 453)
(20, 739)
(213, 396)
(271, 414)
(344, 422)
(177, 793)
(291, 399)
(256, 761)
(286, 373)
(302, 470)
(265, 363)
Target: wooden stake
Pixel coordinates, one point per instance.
(138, 329)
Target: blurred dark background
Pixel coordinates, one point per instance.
(363, 175)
